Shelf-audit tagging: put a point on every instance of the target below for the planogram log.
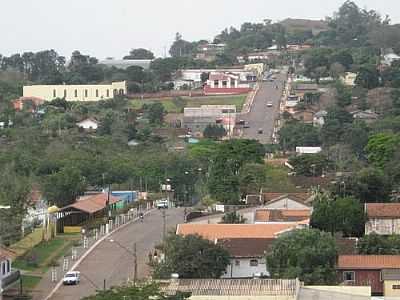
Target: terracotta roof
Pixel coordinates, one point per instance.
(93, 203)
(383, 210)
(225, 231)
(231, 287)
(369, 262)
(282, 215)
(246, 247)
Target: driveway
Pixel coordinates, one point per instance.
(114, 264)
(261, 116)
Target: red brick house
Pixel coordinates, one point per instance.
(368, 270)
(32, 102)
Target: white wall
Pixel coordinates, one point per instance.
(4, 272)
(286, 203)
(244, 270)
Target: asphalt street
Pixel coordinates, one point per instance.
(113, 261)
(261, 116)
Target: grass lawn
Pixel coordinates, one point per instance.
(29, 282)
(172, 106)
(40, 256)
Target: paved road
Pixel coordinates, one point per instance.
(115, 264)
(261, 116)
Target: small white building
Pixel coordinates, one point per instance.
(308, 150)
(389, 58)
(88, 124)
(349, 79)
(247, 257)
(319, 118)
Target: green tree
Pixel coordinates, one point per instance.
(369, 185)
(295, 134)
(63, 187)
(381, 148)
(345, 215)
(310, 164)
(191, 257)
(252, 178)
(374, 244)
(307, 254)
(368, 77)
(232, 218)
(14, 192)
(140, 53)
(215, 132)
(155, 113)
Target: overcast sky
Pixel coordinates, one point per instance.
(111, 27)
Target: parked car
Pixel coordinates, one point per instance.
(247, 125)
(72, 278)
(269, 104)
(260, 131)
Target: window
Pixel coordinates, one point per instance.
(3, 268)
(396, 287)
(65, 93)
(349, 276)
(253, 263)
(115, 92)
(76, 93)
(237, 263)
(216, 83)
(86, 93)
(121, 91)
(108, 93)
(54, 94)
(8, 266)
(97, 93)
(224, 84)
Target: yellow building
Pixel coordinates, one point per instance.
(76, 92)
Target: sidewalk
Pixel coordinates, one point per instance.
(54, 275)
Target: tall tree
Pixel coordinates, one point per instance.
(191, 257)
(140, 53)
(307, 254)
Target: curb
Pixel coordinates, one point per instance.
(90, 250)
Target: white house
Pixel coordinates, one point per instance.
(287, 201)
(382, 218)
(319, 118)
(8, 276)
(349, 79)
(247, 257)
(388, 59)
(88, 124)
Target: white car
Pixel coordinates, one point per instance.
(72, 278)
(269, 104)
(162, 204)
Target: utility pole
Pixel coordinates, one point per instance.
(134, 264)
(164, 224)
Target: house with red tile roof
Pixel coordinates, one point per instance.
(31, 103)
(215, 232)
(273, 216)
(86, 208)
(381, 272)
(225, 83)
(382, 218)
